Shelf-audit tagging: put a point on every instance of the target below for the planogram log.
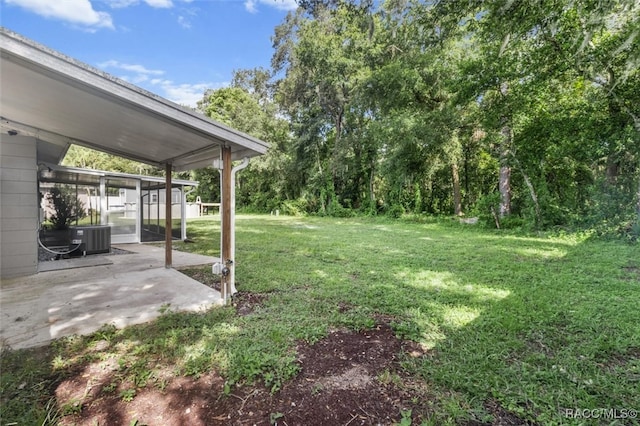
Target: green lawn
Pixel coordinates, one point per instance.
(538, 324)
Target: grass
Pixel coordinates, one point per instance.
(538, 324)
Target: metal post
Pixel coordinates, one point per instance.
(138, 213)
(167, 222)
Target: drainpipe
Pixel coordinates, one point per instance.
(232, 274)
(104, 218)
(183, 207)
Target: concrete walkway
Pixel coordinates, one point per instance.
(122, 290)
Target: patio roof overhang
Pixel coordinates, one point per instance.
(53, 173)
(62, 101)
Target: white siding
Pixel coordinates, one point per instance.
(18, 206)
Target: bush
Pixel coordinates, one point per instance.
(67, 207)
(296, 207)
(395, 211)
(336, 210)
(484, 209)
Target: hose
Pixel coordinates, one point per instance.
(60, 253)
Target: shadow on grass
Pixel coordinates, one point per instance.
(522, 321)
(519, 325)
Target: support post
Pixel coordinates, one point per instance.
(104, 218)
(167, 226)
(225, 213)
(139, 206)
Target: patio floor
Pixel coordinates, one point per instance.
(122, 290)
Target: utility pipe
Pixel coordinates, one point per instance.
(183, 208)
(232, 274)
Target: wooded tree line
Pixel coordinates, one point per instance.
(519, 112)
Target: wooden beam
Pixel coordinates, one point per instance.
(167, 219)
(226, 215)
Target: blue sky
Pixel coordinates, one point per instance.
(174, 48)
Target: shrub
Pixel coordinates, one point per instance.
(396, 211)
(67, 207)
(336, 210)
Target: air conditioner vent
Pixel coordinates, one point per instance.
(96, 238)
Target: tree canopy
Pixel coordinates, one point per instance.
(520, 113)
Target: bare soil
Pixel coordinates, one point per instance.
(348, 378)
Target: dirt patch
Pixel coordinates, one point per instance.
(245, 302)
(621, 360)
(501, 417)
(204, 275)
(632, 273)
(347, 378)
(338, 384)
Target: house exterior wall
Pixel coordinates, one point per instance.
(19, 209)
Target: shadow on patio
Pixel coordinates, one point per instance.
(118, 289)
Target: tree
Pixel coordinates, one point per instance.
(67, 207)
(86, 158)
(326, 62)
(248, 106)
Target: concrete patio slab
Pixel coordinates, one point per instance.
(83, 262)
(131, 289)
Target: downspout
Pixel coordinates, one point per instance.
(183, 207)
(232, 274)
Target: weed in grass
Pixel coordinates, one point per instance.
(165, 308)
(74, 406)
(317, 388)
(274, 417)
(405, 419)
(106, 333)
(127, 395)
(52, 414)
(387, 377)
(110, 388)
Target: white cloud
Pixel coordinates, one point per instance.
(134, 73)
(160, 4)
(118, 4)
(184, 94)
(79, 12)
(163, 4)
(184, 22)
(252, 5)
(129, 67)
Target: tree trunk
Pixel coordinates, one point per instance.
(504, 183)
(612, 170)
(457, 196)
(534, 196)
(337, 149)
(505, 172)
(372, 195)
(321, 173)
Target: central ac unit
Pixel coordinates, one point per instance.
(90, 239)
